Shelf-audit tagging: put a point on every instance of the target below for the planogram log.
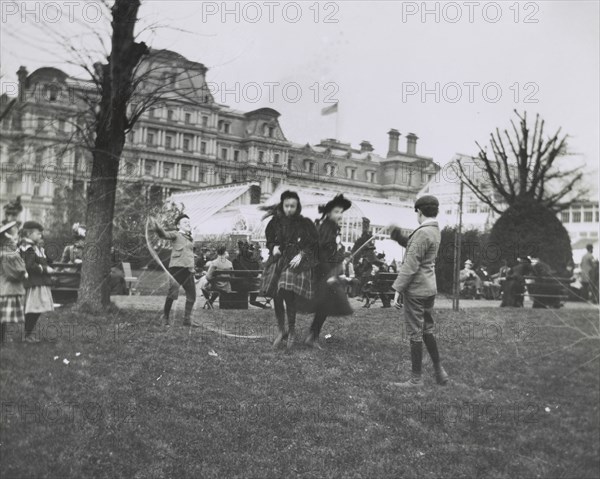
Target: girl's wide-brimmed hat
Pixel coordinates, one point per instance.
(5, 227)
(338, 201)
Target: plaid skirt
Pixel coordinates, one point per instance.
(38, 299)
(270, 279)
(300, 282)
(11, 309)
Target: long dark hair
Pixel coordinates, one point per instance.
(277, 210)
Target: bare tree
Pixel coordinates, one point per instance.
(132, 81)
(523, 166)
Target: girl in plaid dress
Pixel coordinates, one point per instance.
(38, 296)
(12, 275)
(291, 240)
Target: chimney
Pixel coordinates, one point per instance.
(254, 194)
(411, 144)
(394, 136)
(365, 146)
(22, 77)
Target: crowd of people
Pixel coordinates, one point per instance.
(547, 288)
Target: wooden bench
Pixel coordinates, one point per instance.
(66, 279)
(379, 287)
(243, 284)
(65, 282)
(547, 291)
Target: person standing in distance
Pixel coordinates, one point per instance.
(416, 282)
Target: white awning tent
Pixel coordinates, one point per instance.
(225, 210)
(215, 210)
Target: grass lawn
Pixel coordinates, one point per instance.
(140, 401)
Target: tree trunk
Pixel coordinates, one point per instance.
(116, 90)
(94, 291)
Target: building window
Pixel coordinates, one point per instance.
(597, 216)
(484, 208)
(564, 217)
(129, 169)
(576, 217)
(168, 170)
(276, 158)
(309, 166)
(290, 162)
(187, 143)
(51, 92)
(351, 173)
(472, 208)
(61, 124)
(36, 191)
(170, 140)
(220, 125)
(330, 169)
(203, 147)
(261, 156)
(201, 176)
(204, 121)
(185, 173)
(40, 123)
(271, 131)
(151, 137)
(39, 156)
(188, 118)
(371, 176)
(224, 154)
(170, 114)
(236, 155)
(226, 127)
(132, 136)
(152, 113)
(588, 216)
(149, 168)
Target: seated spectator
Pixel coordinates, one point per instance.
(470, 283)
(201, 261)
(545, 289)
(513, 288)
(74, 253)
(349, 277)
(247, 260)
(489, 288)
(215, 285)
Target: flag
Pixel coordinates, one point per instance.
(330, 109)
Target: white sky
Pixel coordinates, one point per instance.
(371, 54)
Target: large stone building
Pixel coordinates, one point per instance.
(182, 140)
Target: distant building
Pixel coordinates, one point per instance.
(185, 141)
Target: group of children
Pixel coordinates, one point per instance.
(24, 278)
(304, 266)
